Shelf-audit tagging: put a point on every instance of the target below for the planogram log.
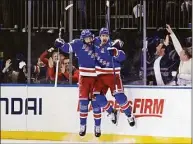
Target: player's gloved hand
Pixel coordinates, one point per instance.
(117, 43)
(59, 43)
(112, 51)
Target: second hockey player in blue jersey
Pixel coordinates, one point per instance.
(109, 57)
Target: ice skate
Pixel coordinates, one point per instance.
(82, 130)
(113, 116)
(131, 120)
(97, 131)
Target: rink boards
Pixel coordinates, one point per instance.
(48, 113)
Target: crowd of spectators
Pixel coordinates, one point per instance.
(168, 60)
(41, 72)
(168, 63)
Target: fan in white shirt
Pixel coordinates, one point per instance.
(184, 75)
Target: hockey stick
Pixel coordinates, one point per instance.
(112, 60)
(60, 36)
(108, 26)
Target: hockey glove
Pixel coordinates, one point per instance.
(59, 43)
(117, 44)
(112, 51)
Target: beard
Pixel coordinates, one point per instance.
(104, 41)
(89, 43)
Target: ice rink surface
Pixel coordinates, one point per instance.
(31, 141)
(38, 142)
(26, 141)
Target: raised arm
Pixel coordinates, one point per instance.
(44, 54)
(175, 40)
(72, 46)
(7, 65)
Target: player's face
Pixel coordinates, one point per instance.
(104, 38)
(88, 40)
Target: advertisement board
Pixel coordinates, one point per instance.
(52, 114)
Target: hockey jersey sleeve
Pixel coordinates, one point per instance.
(120, 56)
(72, 46)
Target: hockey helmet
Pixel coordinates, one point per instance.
(104, 31)
(86, 33)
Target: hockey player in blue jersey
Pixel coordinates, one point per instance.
(84, 50)
(105, 51)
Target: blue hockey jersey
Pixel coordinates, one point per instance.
(104, 59)
(85, 55)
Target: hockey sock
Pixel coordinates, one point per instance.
(96, 113)
(121, 99)
(103, 103)
(83, 111)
